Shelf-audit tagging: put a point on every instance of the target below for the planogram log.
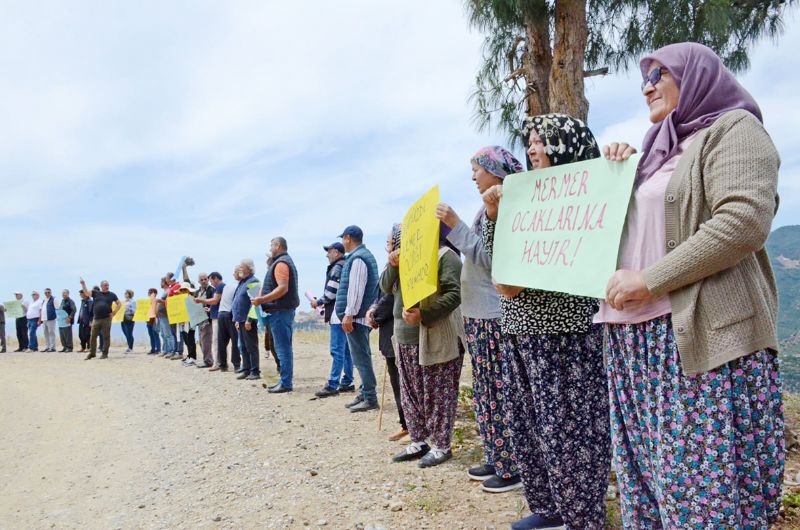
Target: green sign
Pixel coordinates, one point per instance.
(558, 229)
(14, 309)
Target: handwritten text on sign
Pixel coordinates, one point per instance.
(419, 247)
(559, 228)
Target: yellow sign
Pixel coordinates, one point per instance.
(120, 314)
(176, 309)
(142, 310)
(419, 249)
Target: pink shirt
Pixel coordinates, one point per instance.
(643, 242)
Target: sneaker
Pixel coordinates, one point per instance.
(253, 377)
(364, 406)
(537, 522)
(435, 457)
(347, 388)
(413, 451)
(242, 375)
(399, 434)
(327, 392)
(481, 473)
(189, 362)
(359, 398)
(128, 350)
(278, 389)
(239, 370)
(497, 484)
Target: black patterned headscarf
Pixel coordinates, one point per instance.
(566, 139)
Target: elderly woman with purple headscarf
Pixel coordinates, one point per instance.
(480, 308)
(696, 406)
(430, 352)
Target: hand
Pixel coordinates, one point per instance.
(258, 300)
(347, 324)
(197, 300)
(447, 215)
(394, 258)
(83, 283)
(236, 325)
(40, 323)
(491, 200)
(248, 325)
(509, 291)
(412, 316)
(207, 309)
(618, 151)
(313, 304)
(624, 287)
(371, 318)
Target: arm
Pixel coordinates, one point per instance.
(280, 290)
(86, 291)
(117, 305)
(383, 310)
(470, 244)
(210, 301)
(448, 296)
(389, 277)
(740, 176)
(329, 294)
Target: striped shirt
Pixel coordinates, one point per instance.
(355, 292)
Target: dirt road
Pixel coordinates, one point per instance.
(140, 442)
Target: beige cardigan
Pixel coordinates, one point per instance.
(720, 202)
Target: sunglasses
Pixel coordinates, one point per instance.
(653, 77)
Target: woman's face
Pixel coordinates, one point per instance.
(663, 97)
(483, 179)
(389, 243)
(536, 152)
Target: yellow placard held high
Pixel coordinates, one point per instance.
(419, 249)
(176, 309)
(120, 314)
(142, 309)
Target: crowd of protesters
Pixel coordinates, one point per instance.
(673, 378)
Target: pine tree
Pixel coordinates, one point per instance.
(536, 53)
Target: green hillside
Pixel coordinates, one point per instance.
(783, 246)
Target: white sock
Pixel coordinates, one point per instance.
(414, 447)
(438, 453)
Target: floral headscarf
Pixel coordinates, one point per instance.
(497, 161)
(397, 230)
(566, 139)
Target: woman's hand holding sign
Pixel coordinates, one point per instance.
(618, 151)
(625, 287)
(491, 200)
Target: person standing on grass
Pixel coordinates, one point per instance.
(65, 331)
(106, 305)
(85, 321)
(22, 325)
(358, 290)
(47, 320)
(127, 319)
(341, 375)
(34, 315)
(280, 300)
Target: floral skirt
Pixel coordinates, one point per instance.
(490, 394)
(559, 424)
(693, 451)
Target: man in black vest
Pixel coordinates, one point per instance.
(280, 299)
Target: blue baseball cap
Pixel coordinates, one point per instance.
(337, 246)
(353, 231)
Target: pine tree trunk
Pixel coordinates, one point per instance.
(566, 88)
(539, 58)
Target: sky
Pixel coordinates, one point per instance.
(132, 133)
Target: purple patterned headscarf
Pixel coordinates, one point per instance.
(707, 91)
(497, 161)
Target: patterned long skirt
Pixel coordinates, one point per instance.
(429, 395)
(490, 394)
(693, 451)
(559, 424)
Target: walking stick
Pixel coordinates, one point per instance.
(383, 398)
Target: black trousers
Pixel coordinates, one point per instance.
(84, 333)
(191, 344)
(226, 332)
(394, 378)
(250, 361)
(22, 332)
(66, 337)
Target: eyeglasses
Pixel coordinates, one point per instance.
(653, 77)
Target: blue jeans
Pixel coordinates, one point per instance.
(281, 324)
(33, 323)
(152, 332)
(127, 330)
(167, 338)
(358, 340)
(178, 339)
(340, 351)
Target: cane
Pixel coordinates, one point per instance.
(383, 398)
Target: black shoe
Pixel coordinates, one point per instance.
(63, 350)
(237, 370)
(18, 350)
(359, 398)
(433, 459)
(253, 377)
(278, 389)
(104, 356)
(481, 473)
(348, 388)
(498, 484)
(326, 392)
(204, 365)
(364, 406)
(242, 375)
(406, 456)
(90, 356)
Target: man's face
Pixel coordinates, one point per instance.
(274, 248)
(333, 255)
(236, 273)
(348, 243)
(203, 279)
(18, 296)
(35, 296)
(47, 293)
(83, 295)
(65, 294)
(104, 286)
(215, 281)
